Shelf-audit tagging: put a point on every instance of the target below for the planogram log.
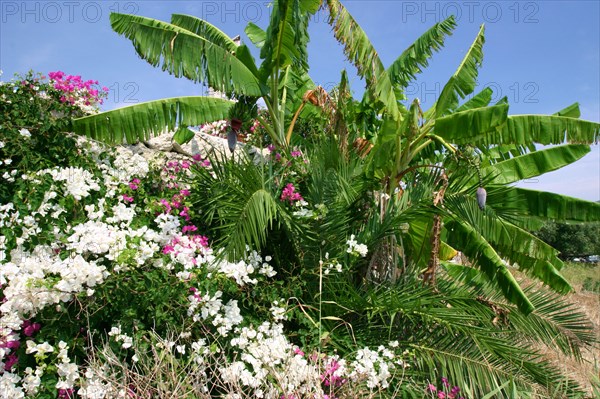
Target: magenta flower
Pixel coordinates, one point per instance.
(454, 391)
(202, 240)
(166, 204)
(185, 213)
(14, 344)
(168, 249)
(127, 198)
(29, 328)
(10, 361)
(289, 194)
(134, 184)
(66, 393)
(188, 228)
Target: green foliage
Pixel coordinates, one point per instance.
(572, 240)
(463, 81)
(143, 121)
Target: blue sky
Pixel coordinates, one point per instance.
(543, 55)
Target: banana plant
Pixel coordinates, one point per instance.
(194, 49)
(412, 146)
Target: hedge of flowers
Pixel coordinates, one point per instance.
(109, 289)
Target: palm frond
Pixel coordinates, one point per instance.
(511, 242)
(555, 323)
(142, 121)
(239, 204)
(185, 54)
(456, 333)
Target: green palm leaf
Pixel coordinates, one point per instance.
(286, 38)
(361, 53)
(405, 68)
(572, 111)
(459, 334)
(511, 242)
(251, 220)
(461, 127)
(481, 99)
(464, 80)
(551, 206)
(556, 322)
(204, 29)
(466, 238)
(543, 129)
(145, 120)
(256, 35)
(534, 163)
(183, 53)
(239, 204)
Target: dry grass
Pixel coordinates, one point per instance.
(587, 372)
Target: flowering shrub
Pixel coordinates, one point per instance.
(36, 112)
(75, 91)
(130, 263)
(105, 272)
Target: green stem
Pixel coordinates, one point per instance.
(415, 151)
(268, 128)
(282, 105)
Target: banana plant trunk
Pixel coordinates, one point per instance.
(434, 261)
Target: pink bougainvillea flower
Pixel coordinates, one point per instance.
(29, 328)
(188, 228)
(10, 361)
(289, 194)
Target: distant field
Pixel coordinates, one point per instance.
(583, 276)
